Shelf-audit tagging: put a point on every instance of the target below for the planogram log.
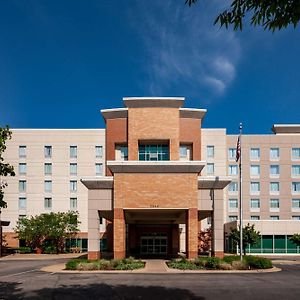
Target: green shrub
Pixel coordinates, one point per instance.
(49, 249)
(230, 258)
(25, 250)
(213, 263)
(255, 262)
(182, 264)
(72, 264)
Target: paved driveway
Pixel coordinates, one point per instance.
(24, 280)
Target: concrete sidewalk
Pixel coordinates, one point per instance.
(32, 256)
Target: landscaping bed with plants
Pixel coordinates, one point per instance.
(227, 263)
(104, 264)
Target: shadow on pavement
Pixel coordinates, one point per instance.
(97, 291)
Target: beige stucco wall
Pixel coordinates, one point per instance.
(60, 140)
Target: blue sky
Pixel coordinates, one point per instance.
(63, 61)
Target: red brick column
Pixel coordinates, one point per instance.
(119, 233)
(192, 233)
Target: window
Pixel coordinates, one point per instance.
(274, 204)
(99, 151)
(22, 151)
(73, 185)
(73, 203)
(232, 170)
(22, 203)
(210, 168)
(48, 151)
(254, 153)
(154, 152)
(232, 153)
(296, 218)
(232, 218)
(210, 151)
(295, 170)
(255, 170)
(255, 203)
(48, 186)
(47, 203)
(295, 187)
(73, 169)
(185, 152)
(274, 187)
(274, 170)
(232, 204)
(274, 153)
(121, 152)
(73, 151)
(274, 217)
(22, 168)
(233, 187)
(22, 186)
(99, 169)
(255, 187)
(296, 204)
(48, 169)
(295, 153)
(254, 218)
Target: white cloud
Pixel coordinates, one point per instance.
(184, 49)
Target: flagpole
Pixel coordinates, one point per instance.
(241, 202)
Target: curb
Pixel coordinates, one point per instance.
(59, 268)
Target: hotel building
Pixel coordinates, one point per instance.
(153, 178)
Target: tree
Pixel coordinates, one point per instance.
(5, 168)
(295, 239)
(48, 230)
(250, 236)
(204, 240)
(270, 14)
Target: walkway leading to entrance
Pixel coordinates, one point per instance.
(155, 266)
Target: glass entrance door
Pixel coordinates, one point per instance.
(154, 245)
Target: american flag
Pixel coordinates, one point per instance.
(238, 150)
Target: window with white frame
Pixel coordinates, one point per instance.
(99, 169)
(274, 153)
(233, 187)
(296, 187)
(295, 153)
(254, 218)
(210, 151)
(210, 168)
(73, 203)
(232, 218)
(99, 151)
(254, 187)
(296, 204)
(274, 187)
(48, 186)
(274, 218)
(296, 218)
(22, 168)
(121, 152)
(254, 153)
(48, 168)
(232, 153)
(73, 169)
(185, 152)
(73, 151)
(73, 185)
(22, 186)
(233, 204)
(232, 170)
(274, 170)
(22, 203)
(47, 203)
(254, 170)
(48, 151)
(295, 170)
(274, 204)
(22, 151)
(255, 203)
